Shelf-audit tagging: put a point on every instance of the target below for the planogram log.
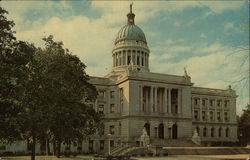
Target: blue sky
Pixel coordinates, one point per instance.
(204, 36)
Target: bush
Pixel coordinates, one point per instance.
(165, 154)
(142, 155)
(134, 155)
(150, 154)
(157, 154)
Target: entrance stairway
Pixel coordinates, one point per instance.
(173, 143)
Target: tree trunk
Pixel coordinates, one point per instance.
(58, 148)
(54, 148)
(33, 147)
(48, 147)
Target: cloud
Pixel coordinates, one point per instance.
(228, 25)
(214, 67)
(203, 35)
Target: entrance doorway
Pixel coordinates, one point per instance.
(161, 131)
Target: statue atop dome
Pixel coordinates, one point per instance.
(131, 16)
(131, 5)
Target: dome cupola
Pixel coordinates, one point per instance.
(130, 46)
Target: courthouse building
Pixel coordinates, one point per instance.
(169, 107)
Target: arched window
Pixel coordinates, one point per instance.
(161, 131)
(147, 127)
(174, 131)
(212, 132)
(227, 132)
(204, 132)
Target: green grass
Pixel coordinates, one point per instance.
(47, 158)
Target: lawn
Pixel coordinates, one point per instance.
(48, 158)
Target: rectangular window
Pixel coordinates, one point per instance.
(112, 130)
(101, 144)
(203, 102)
(196, 114)
(101, 130)
(101, 109)
(112, 143)
(112, 108)
(218, 103)
(226, 104)
(101, 94)
(211, 102)
(112, 94)
(203, 115)
(195, 101)
(211, 115)
(218, 116)
(225, 116)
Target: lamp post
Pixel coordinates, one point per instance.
(109, 142)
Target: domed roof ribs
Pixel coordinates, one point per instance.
(131, 16)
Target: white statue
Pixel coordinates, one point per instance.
(196, 138)
(144, 138)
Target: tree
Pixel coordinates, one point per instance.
(70, 118)
(42, 92)
(14, 56)
(56, 91)
(244, 126)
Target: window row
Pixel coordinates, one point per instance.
(111, 131)
(100, 108)
(212, 102)
(212, 132)
(204, 115)
(139, 58)
(101, 144)
(102, 94)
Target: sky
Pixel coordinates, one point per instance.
(210, 38)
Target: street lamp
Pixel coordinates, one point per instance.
(109, 142)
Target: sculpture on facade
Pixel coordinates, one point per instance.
(131, 69)
(196, 138)
(185, 73)
(144, 138)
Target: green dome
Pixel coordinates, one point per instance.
(130, 32)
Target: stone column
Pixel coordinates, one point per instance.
(156, 104)
(179, 101)
(169, 100)
(222, 111)
(165, 104)
(126, 57)
(147, 101)
(114, 59)
(200, 113)
(141, 99)
(144, 59)
(215, 110)
(119, 58)
(151, 99)
(122, 58)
